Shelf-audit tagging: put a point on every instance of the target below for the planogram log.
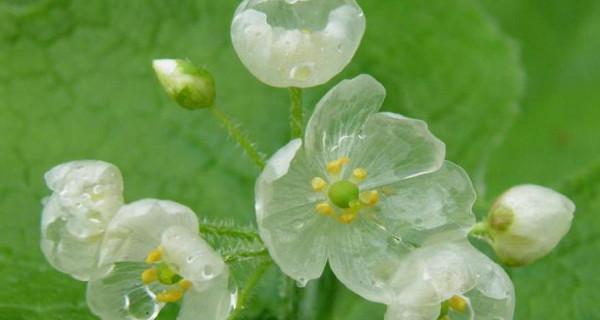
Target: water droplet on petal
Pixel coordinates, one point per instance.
(301, 282)
(301, 72)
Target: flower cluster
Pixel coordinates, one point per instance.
(136, 257)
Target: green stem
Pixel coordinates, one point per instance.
(240, 137)
(296, 113)
(250, 285)
(240, 256)
(480, 230)
(229, 232)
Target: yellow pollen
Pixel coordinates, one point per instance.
(370, 197)
(336, 166)
(318, 184)
(359, 173)
(149, 275)
(457, 303)
(324, 208)
(347, 217)
(172, 295)
(154, 256)
(185, 284)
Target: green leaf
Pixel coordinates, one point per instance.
(76, 82)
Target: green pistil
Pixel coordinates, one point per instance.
(166, 275)
(343, 193)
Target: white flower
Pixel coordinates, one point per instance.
(363, 191)
(451, 281)
(86, 195)
(190, 86)
(527, 222)
(152, 255)
(297, 43)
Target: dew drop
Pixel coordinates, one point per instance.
(301, 72)
(189, 259)
(207, 272)
(299, 225)
(340, 48)
(301, 282)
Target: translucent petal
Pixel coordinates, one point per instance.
(392, 147)
(431, 207)
(86, 196)
(404, 312)
(212, 303)
(120, 294)
(296, 43)
(191, 256)
(336, 123)
(138, 227)
(453, 269)
(296, 236)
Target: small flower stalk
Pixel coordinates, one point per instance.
(297, 43)
(192, 87)
(526, 223)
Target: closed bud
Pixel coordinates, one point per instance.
(527, 222)
(190, 86)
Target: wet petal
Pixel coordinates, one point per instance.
(138, 227)
(404, 312)
(191, 256)
(214, 302)
(87, 194)
(338, 118)
(294, 233)
(120, 294)
(434, 205)
(393, 148)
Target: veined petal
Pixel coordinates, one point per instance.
(334, 127)
(392, 148)
(437, 205)
(448, 270)
(191, 256)
(296, 236)
(87, 194)
(138, 227)
(214, 302)
(120, 294)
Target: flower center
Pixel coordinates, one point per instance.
(344, 199)
(456, 304)
(163, 273)
(342, 193)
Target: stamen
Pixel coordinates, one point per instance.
(318, 184)
(172, 295)
(370, 197)
(336, 166)
(457, 303)
(185, 284)
(149, 275)
(154, 256)
(359, 173)
(347, 217)
(324, 208)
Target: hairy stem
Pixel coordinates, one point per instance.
(296, 113)
(250, 285)
(240, 137)
(240, 256)
(229, 232)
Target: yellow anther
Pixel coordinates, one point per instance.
(149, 276)
(172, 295)
(370, 197)
(318, 184)
(154, 256)
(324, 208)
(185, 284)
(336, 166)
(346, 218)
(457, 303)
(359, 173)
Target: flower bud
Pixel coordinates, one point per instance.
(190, 86)
(297, 43)
(527, 222)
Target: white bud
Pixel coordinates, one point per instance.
(527, 222)
(297, 43)
(190, 86)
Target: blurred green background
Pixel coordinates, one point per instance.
(512, 87)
